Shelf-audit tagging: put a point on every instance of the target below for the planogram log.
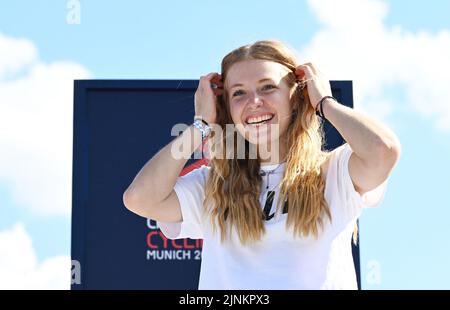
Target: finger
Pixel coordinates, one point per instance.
(206, 80)
(217, 80)
(299, 73)
(307, 67)
(312, 67)
(211, 75)
(216, 83)
(307, 71)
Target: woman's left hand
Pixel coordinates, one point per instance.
(318, 86)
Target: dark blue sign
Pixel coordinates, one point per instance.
(118, 126)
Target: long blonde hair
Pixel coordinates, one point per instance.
(234, 185)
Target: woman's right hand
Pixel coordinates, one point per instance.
(206, 97)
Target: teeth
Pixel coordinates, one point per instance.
(259, 119)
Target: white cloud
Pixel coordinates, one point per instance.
(16, 54)
(19, 268)
(355, 44)
(36, 128)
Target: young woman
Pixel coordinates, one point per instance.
(279, 221)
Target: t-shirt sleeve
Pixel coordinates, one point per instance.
(353, 201)
(190, 190)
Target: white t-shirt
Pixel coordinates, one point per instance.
(279, 260)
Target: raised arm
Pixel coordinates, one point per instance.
(151, 193)
(376, 148)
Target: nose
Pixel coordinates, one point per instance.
(254, 100)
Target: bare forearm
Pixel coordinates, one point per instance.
(156, 179)
(368, 138)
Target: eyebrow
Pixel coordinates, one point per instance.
(260, 81)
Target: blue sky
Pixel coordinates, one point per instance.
(396, 52)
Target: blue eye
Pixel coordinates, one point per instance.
(237, 93)
(268, 86)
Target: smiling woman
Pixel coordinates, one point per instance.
(247, 99)
(282, 222)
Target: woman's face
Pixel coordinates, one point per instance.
(259, 99)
